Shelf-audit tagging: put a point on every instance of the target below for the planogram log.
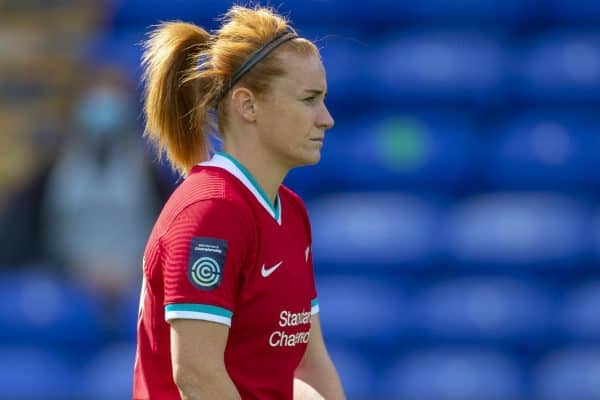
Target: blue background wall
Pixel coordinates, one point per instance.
(456, 212)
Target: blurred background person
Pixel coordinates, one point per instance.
(101, 194)
(455, 213)
(85, 212)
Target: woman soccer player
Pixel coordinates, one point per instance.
(229, 308)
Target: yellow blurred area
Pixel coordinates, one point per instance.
(18, 157)
(40, 52)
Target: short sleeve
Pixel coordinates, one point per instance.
(204, 251)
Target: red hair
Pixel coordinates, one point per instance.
(186, 70)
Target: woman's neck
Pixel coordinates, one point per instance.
(265, 171)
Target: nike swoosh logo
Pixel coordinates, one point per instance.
(265, 272)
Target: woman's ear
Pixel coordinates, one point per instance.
(243, 101)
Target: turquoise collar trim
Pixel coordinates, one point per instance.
(221, 158)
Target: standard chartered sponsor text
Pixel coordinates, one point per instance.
(287, 318)
(280, 338)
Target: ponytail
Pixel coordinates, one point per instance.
(176, 99)
(187, 72)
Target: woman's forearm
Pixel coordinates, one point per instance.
(323, 377)
(210, 385)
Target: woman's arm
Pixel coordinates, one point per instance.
(316, 367)
(197, 349)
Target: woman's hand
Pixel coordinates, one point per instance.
(303, 391)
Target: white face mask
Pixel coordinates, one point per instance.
(104, 112)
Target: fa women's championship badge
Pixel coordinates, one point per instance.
(207, 262)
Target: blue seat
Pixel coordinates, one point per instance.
(422, 150)
(330, 12)
(365, 232)
(595, 234)
(574, 11)
(35, 373)
(544, 150)
(307, 182)
(484, 310)
(570, 373)
(453, 374)
(361, 310)
(128, 316)
(315, 12)
(517, 231)
(301, 12)
(560, 68)
(478, 11)
(441, 68)
(357, 375)
(143, 13)
(580, 318)
(109, 376)
(346, 86)
(37, 306)
(122, 48)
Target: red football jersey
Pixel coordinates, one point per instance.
(221, 252)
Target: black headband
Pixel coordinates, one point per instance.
(256, 56)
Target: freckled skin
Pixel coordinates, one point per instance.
(294, 116)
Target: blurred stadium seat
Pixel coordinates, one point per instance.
(370, 14)
(478, 11)
(357, 375)
(560, 67)
(568, 374)
(371, 231)
(486, 310)
(456, 202)
(518, 231)
(144, 13)
(385, 151)
(453, 374)
(37, 306)
(544, 150)
(307, 182)
(28, 373)
(575, 11)
(441, 67)
(595, 233)
(109, 376)
(361, 310)
(346, 86)
(581, 312)
(121, 48)
(330, 12)
(128, 316)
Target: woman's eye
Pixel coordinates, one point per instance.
(310, 100)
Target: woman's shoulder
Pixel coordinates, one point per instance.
(211, 183)
(205, 190)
